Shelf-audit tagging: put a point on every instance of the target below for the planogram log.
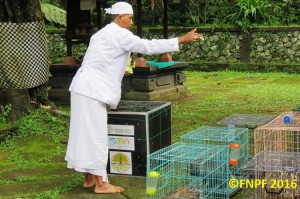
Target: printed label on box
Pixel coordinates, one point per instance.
(115, 129)
(120, 162)
(121, 142)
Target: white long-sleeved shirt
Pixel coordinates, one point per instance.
(105, 61)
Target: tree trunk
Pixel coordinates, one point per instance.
(21, 11)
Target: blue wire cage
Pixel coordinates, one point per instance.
(223, 136)
(190, 171)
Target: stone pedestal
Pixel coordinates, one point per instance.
(146, 83)
(60, 80)
(151, 83)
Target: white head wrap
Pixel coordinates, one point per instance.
(120, 8)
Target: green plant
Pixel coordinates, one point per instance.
(7, 109)
(39, 122)
(291, 14)
(54, 14)
(59, 3)
(253, 9)
(198, 11)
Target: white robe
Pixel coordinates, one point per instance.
(87, 149)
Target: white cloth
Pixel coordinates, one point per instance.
(106, 59)
(96, 172)
(87, 149)
(119, 8)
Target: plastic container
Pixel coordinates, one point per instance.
(287, 119)
(231, 124)
(152, 181)
(235, 153)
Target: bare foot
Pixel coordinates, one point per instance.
(108, 188)
(89, 180)
(88, 184)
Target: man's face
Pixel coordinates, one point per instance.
(126, 21)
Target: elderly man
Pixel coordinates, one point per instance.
(97, 84)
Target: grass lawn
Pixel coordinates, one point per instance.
(216, 95)
(41, 137)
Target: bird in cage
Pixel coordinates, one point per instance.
(210, 173)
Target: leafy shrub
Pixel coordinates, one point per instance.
(54, 14)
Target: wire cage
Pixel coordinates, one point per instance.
(277, 157)
(223, 136)
(190, 171)
(279, 134)
(279, 172)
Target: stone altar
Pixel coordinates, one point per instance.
(146, 83)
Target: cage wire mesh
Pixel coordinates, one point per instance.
(140, 106)
(279, 136)
(223, 136)
(190, 171)
(198, 166)
(277, 158)
(280, 170)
